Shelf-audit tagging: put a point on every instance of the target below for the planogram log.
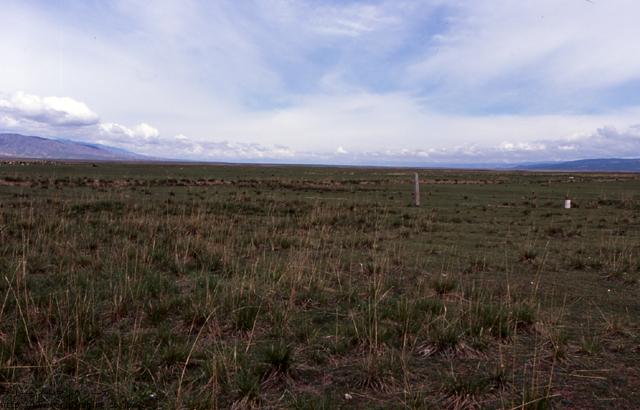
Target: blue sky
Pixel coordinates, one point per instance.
(403, 82)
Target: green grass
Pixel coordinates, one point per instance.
(163, 286)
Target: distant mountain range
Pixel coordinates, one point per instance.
(587, 165)
(16, 146)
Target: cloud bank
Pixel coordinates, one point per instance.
(72, 119)
(54, 111)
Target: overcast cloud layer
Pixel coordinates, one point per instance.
(379, 82)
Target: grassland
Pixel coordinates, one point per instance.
(172, 286)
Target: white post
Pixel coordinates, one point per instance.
(567, 203)
(417, 190)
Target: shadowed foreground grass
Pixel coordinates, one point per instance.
(167, 286)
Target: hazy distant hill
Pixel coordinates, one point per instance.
(601, 164)
(22, 146)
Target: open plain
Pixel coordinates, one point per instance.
(204, 286)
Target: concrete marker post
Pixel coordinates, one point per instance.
(417, 189)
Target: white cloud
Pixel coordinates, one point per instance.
(53, 111)
(115, 130)
(532, 50)
(8, 121)
(351, 20)
(68, 118)
(522, 146)
(145, 131)
(140, 134)
(184, 147)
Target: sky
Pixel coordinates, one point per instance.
(309, 81)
